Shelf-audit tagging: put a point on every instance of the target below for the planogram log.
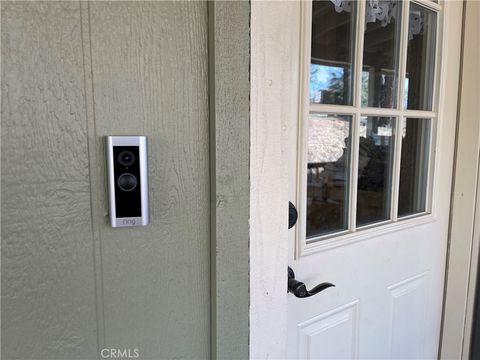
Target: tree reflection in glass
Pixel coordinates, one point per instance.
(329, 138)
(332, 53)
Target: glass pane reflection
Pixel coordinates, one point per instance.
(375, 163)
(414, 166)
(381, 53)
(333, 38)
(329, 138)
(418, 87)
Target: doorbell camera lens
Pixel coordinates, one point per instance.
(126, 158)
(127, 182)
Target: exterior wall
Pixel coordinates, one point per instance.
(229, 63)
(73, 72)
(48, 276)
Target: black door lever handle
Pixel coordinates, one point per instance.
(299, 289)
(296, 287)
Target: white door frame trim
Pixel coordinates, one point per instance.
(270, 83)
(464, 239)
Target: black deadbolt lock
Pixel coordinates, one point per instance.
(292, 215)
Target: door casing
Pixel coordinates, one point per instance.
(462, 265)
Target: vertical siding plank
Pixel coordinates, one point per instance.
(229, 63)
(48, 303)
(149, 62)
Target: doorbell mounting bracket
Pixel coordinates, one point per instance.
(127, 180)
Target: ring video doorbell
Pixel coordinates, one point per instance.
(127, 180)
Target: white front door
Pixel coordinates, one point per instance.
(371, 156)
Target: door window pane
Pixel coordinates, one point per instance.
(329, 138)
(381, 53)
(418, 87)
(332, 52)
(375, 162)
(414, 166)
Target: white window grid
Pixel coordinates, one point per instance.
(353, 233)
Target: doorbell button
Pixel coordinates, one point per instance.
(127, 180)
